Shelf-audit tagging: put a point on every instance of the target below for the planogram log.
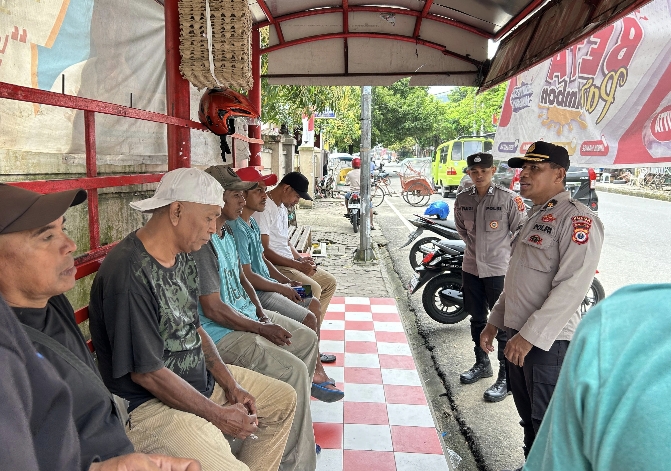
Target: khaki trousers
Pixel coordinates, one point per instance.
(322, 282)
(157, 428)
(293, 364)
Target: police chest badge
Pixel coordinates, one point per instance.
(520, 204)
(548, 218)
(494, 224)
(581, 226)
(536, 239)
(550, 204)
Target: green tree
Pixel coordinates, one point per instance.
(345, 129)
(286, 104)
(469, 112)
(404, 116)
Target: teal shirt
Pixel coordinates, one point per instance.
(231, 291)
(250, 248)
(610, 410)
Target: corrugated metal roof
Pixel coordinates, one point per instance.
(356, 42)
(444, 42)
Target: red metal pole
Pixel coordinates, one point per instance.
(178, 101)
(255, 98)
(92, 171)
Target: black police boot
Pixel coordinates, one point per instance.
(499, 390)
(481, 369)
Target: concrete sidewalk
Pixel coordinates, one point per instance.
(330, 226)
(378, 279)
(632, 190)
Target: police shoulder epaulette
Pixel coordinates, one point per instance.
(507, 190)
(580, 206)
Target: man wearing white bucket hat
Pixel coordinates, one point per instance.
(153, 351)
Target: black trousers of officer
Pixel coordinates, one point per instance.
(480, 295)
(532, 385)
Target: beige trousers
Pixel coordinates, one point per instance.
(157, 428)
(293, 364)
(322, 282)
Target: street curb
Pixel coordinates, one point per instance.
(634, 191)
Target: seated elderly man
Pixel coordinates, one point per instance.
(53, 428)
(153, 351)
(274, 292)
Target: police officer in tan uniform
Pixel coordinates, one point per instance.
(485, 214)
(555, 255)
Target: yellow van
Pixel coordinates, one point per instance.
(449, 161)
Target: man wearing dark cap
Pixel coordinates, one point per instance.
(274, 227)
(555, 255)
(485, 215)
(36, 268)
(246, 334)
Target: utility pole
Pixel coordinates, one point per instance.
(365, 251)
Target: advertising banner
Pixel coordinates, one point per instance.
(107, 50)
(606, 99)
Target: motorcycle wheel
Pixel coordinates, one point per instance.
(376, 196)
(419, 249)
(433, 305)
(595, 294)
(355, 221)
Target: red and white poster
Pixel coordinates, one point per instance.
(606, 99)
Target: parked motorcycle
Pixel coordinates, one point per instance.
(443, 300)
(440, 271)
(442, 227)
(354, 211)
(325, 186)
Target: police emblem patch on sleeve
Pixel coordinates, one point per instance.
(520, 204)
(536, 239)
(494, 224)
(581, 226)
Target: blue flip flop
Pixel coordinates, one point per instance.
(321, 392)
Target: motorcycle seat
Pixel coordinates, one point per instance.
(445, 223)
(448, 245)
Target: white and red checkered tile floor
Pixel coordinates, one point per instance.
(384, 422)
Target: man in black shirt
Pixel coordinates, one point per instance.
(36, 268)
(153, 351)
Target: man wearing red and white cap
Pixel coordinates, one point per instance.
(273, 289)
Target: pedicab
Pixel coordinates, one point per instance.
(416, 187)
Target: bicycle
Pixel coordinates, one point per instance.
(379, 189)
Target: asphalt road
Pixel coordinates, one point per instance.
(634, 251)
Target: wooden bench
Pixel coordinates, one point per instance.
(301, 238)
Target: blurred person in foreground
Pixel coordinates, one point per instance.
(608, 411)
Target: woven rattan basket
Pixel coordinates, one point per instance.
(225, 60)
